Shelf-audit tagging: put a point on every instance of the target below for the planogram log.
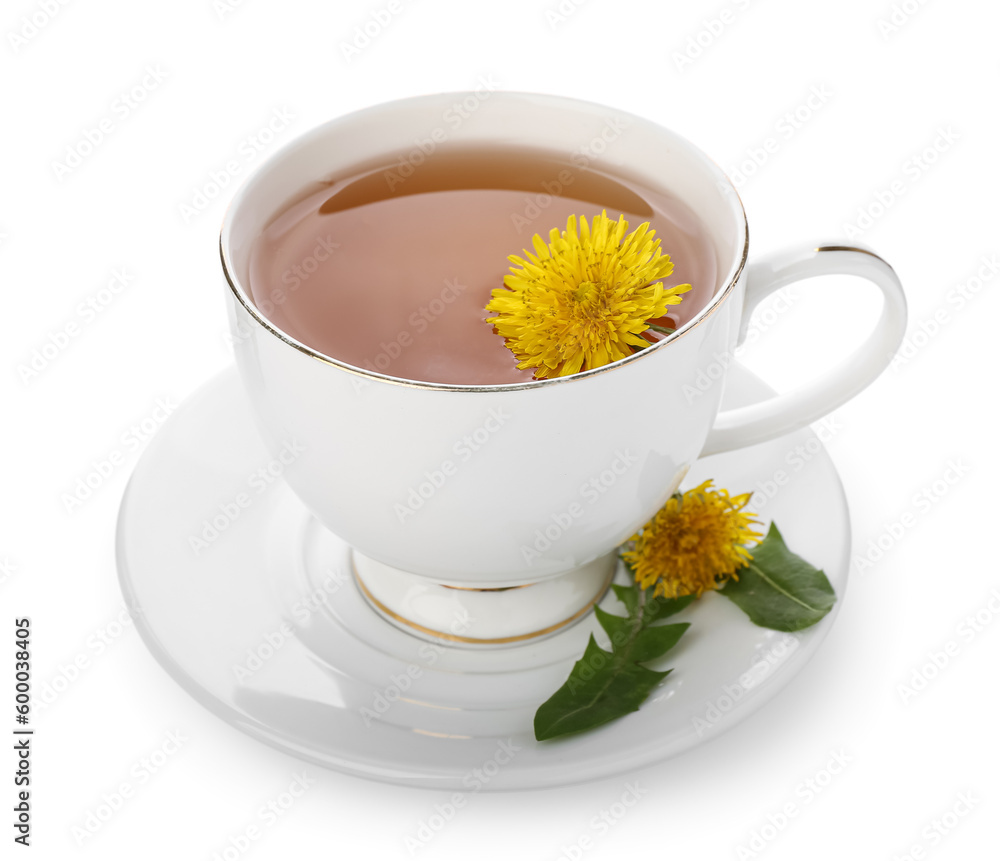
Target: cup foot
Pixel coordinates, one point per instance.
(482, 617)
(265, 626)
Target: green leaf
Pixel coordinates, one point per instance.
(655, 608)
(661, 608)
(653, 642)
(600, 689)
(628, 595)
(617, 628)
(602, 685)
(646, 643)
(780, 590)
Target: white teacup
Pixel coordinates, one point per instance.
(451, 495)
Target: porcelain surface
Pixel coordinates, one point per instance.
(251, 605)
(420, 476)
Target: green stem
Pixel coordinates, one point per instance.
(638, 623)
(620, 655)
(663, 330)
(640, 606)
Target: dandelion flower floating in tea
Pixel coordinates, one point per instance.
(694, 544)
(585, 298)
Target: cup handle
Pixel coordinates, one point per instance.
(792, 410)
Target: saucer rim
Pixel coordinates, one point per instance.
(591, 766)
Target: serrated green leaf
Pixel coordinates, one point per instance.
(654, 608)
(660, 608)
(601, 688)
(780, 590)
(636, 643)
(628, 595)
(617, 628)
(606, 685)
(653, 642)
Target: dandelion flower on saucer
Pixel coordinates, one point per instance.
(694, 544)
(583, 300)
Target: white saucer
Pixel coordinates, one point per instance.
(265, 625)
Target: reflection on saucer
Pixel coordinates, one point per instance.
(266, 627)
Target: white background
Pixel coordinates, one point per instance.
(891, 95)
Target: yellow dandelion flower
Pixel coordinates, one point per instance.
(584, 299)
(694, 543)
